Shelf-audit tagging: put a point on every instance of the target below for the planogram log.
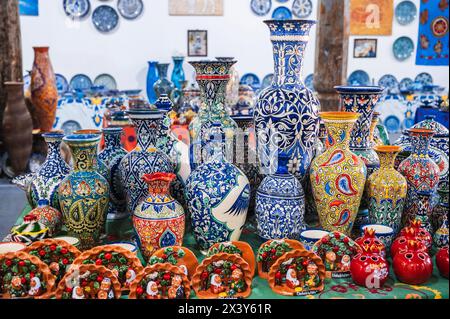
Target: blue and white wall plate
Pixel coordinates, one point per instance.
(105, 80)
(281, 13)
(76, 9)
(80, 82)
(405, 12)
(309, 82)
(403, 48)
(261, 7)
(358, 77)
(250, 79)
(390, 83)
(302, 8)
(130, 9)
(424, 78)
(406, 84)
(392, 124)
(105, 18)
(61, 84)
(267, 81)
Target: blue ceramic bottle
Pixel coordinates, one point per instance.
(152, 77)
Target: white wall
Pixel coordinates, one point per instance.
(80, 48)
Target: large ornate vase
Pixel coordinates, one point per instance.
(212, 78)
(44, 93)
(111, 156)
(152, 77)
(386, 190)
(338, 175)
(178, 76)
(218, 194)
(163, 84)
(420, 171)
(145, 158)
(84, 193)
(44, 185)
(285, 115)
(159, 219)
(17, 127)
(280, 204)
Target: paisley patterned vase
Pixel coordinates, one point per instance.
(145, 158)
(420, 171)
(440, 210)
(338, 175)
(218, 195)
(44, 185)
(159, 219)
(111, 156)
(163, 85)
(44, 93)
(285, 115)
(152, 77)
(280, 204)
(386, 190)
(212, 78)
(178, 73)
(84, 193)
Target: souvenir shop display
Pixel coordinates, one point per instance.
(442, 261)
(236, 247)
(412, 265)
(178, 256)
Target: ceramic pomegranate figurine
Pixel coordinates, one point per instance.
(370, 243)
(420, 233)
(48, 216)
(401, 242)
(412, 265)
(442, 261)
(369, 269)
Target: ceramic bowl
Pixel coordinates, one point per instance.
(11, 247)
(310, 236)
(126, 245)
(71, 240)
(384, 233)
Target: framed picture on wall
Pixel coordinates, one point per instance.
(196, 7)
(197, 43)
(365, 48)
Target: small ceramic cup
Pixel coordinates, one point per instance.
(310, 236)
(70, 240)
(127, 245)
(10, 247)
(384, 233)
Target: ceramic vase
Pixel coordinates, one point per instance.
(386, 190)
(280, 204)
(44, 93)
(420, 171)
(440, 238)
(84, 193)
(374, 139)
(152, 77)
(111, 156)
(163, 85)
(218, 194)
(424, 210)
(212, 78)
(232, 90)
(17, 127)
(286, 114)
(145, 158)
(159, 219)
(178, 76)
(440, 210)
(338, 175)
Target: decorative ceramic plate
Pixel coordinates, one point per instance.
(302, 8)
(261, 7)
(424, 78)
(408, 122)
(35, 162)
(76, 9)
(235, 247)
(26, 82)
(403, 48)
(61, 84)
(130, 9)
(392, 124)
(105, 18)
(389, 82)
(80, 82)
(250, 79)
(309, 82)
(70, 126)
(406, 84)
(405, 12)
(106, 80)
(178, 256)
(267, 81)
(359, 77)
(281, 13)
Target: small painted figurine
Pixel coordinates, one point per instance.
(176, 290)
(16, 283)
(77, 293)
(291, 279)
(330, 260)
(105, 286)
(184, 269)
(237, 280)
(216, 284)
(35, 286)
(152, 290)
(345, 263)
(54, 267)
(130, 275)
(312, 278)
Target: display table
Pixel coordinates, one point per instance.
(436, 288)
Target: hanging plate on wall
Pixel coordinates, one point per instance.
(403, 48)
(250, 79)
(267, 81)
(76, 9)
(106, 80)
(302, 8)
(392, 124)
(389, 82)
(26, 82)
(130, 9)
(261, 7)
(424, 78)
(406, 84)
(61, 84)
(105, 18)
(80, 82)
(309, 82)
(281, 13)
(358, 77)
(405, 12)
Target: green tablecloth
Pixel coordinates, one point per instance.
(436, 288)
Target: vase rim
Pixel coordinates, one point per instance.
(53, 134)
(112, 129)
(81, 138)
(339, 115)
(41, 48)
(284, 21)
(87, 131)
(144, 113)
(387, 148)
(358, 89)
(158, 176)
(423, 131)
(379, 229)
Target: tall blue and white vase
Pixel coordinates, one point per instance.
(178, 76)
(152, 77)
(44, 184)
(111, 156)
(218, 195)
(286, 114)
(280, 204)
(145, 158)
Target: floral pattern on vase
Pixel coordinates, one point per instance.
(338, 175)
(280, 204)
(386, 190)
(163, 84)
(111, 156)
(152, 77)
(286, 114)
(84, 193)
(159, 219)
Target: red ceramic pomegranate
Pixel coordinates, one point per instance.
(370, 243)
(369, 269)
(412, 265)
(401, 241)
(421, 233)
(442, 261)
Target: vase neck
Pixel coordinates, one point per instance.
(84, 157)
(113, 140)
(159, 187)
(387, 159)
(147, 132)
(215, 147)
(338, 133)
(162, 70)
(420, 144)
(213, 92)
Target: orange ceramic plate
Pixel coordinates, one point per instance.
(189, 261)
(245, 248)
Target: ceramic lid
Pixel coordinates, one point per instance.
(430, 123)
